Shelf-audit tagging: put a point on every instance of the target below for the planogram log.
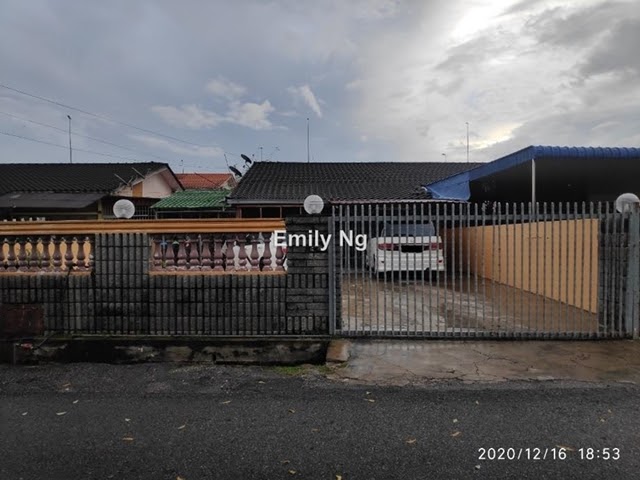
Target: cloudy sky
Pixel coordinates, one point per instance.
(380, 80)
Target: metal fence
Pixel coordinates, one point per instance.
(453, 270)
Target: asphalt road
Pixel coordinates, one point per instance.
(88, 421)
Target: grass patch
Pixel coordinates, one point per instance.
(297, 370)
(290, 370)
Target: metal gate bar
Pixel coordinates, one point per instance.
(458, 270)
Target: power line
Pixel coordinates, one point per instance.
(66, 147)
(104, 117)
(84, 136)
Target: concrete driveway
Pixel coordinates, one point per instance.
(445, 306)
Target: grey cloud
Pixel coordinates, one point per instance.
(577, 25)
(472, 53)
(617, 53)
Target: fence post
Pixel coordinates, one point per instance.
(633, 273)
(332, 272)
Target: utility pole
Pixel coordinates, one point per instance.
(308, 155)
(467, 141)
(70, 150)
(445, 157)
(260, 153)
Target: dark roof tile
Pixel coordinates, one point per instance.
(294, 181)
(71, 178)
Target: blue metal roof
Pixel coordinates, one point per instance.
(456, 187)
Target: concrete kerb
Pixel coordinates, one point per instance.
(197, 349)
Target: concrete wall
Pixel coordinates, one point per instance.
(558, 259)
(122, 296)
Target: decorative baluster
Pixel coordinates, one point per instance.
(266, 258)
(158, 243)
(91, 260)
(242, 253)
(33, 257)
(279, 258)
(81, 257)
(254, 256)
(206, 254)
(68, 254)
(170, 258)
(217, 254)
(45, 261)
(22, 255)
(230, 260)
(191, 250)
(11, 255)
(57, 254)
(2, 256)
(181, 258)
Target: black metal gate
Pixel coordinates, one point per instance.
(455, 270)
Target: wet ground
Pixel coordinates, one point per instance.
(418, 362)
(439, 306)
(162, 421)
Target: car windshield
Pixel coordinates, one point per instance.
(410, 230)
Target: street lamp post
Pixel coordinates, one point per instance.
(70, 150)
(467, 141)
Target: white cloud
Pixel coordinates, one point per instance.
(224, 88)
(187, 116)
(252, 115)
(247, 114)
(305, 94)
(191, 150)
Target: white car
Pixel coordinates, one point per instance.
(406, 248)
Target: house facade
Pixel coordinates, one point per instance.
(48, 191)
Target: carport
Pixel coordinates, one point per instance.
(547, 174)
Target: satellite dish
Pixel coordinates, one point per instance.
(246, 159)
(124, 208)
(626, 201)
(313, 204)
(235, 171)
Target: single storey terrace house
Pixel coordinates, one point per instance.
(56, 191)
(278, 189)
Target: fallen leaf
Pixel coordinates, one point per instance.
(24, 413)
(75, 401)
(569, 449)
(609, 411)
(338, 477)
(127, 419)
(260, 381)
(180, 478)
(61, 413)
(291, 410)
(292, 472)
(127, 439)
(477, 467)
(411, 441)
(227, 402)
(371, 400)
(285, 462)
(455, 434)
(313, 429)
(368, 393)
(66, 385)
(477, 402)
(602, 420)
(455, 420)
(182, 426)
